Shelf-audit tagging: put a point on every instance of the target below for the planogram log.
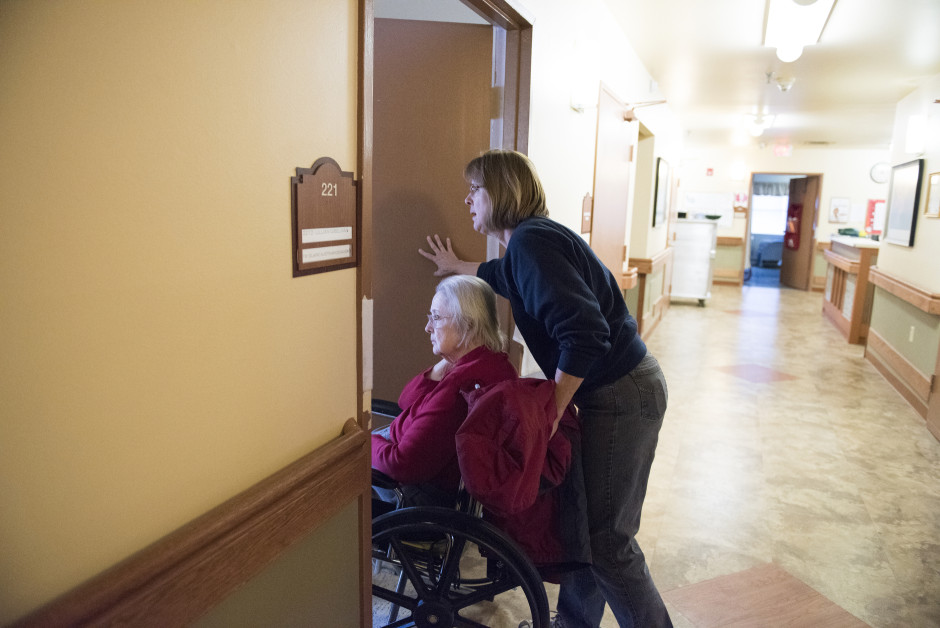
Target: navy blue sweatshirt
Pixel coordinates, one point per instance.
(566, 303)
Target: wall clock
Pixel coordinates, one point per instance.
(879, 172)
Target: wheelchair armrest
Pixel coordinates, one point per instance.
(382, 480)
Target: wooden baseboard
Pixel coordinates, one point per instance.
(179, 578)
(913, 385)
(728, 276)
(934, 429)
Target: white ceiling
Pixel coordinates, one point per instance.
(708, 61)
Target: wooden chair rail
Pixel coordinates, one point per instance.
(180, 577)
(646, 266)
(846, 264)
(918, 297)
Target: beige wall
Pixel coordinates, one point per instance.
(845, 174)
(917, 264)
(156, 356)
(911, 332)
(575, 47)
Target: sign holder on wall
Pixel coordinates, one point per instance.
(324, 203)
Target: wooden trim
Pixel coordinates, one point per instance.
(823, 246)
(846, 264)
(918, 297)
(728, 276)
(182, 576)
(903, 370)
(364, 157)
(646, 266)
(656, 315)
(629, 278)
(933, 404)
(645, 324)
(504, 13)
(834, 314)
(366, 149)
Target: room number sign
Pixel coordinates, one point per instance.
(325, 218)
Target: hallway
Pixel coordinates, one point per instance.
(783, 445)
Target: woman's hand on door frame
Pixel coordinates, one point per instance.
(442, 254)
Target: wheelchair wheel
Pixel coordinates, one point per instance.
(436, 567)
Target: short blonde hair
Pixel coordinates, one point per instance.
(513, 185)
(472, 303)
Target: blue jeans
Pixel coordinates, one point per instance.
(620, 425)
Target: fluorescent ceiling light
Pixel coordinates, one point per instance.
(793, 24)
(758, 123)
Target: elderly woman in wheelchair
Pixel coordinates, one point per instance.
(473, 502)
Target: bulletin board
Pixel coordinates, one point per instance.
(325, 218)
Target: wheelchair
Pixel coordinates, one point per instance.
(434, 567)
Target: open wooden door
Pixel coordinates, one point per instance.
(616, 138)
(799, 243)
(432, 115)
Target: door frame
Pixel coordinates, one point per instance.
(750, 210)
(513, 61)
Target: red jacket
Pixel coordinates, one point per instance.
(521, 476)
(420, 448)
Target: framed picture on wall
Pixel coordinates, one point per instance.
(932, 208)
(663, 187)
(839, 209)
(903, 201)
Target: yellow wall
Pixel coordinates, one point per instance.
(156, 356)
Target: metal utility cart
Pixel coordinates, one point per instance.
(694, 245)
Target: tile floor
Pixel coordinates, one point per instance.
(783, 446)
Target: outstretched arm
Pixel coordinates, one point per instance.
(447, 261)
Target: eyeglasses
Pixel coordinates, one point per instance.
(434, 319)
(474, 188)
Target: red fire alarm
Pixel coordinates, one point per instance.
(710, 172)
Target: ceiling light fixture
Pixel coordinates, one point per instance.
(793, 24)
(784, 84)
(757, 124)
